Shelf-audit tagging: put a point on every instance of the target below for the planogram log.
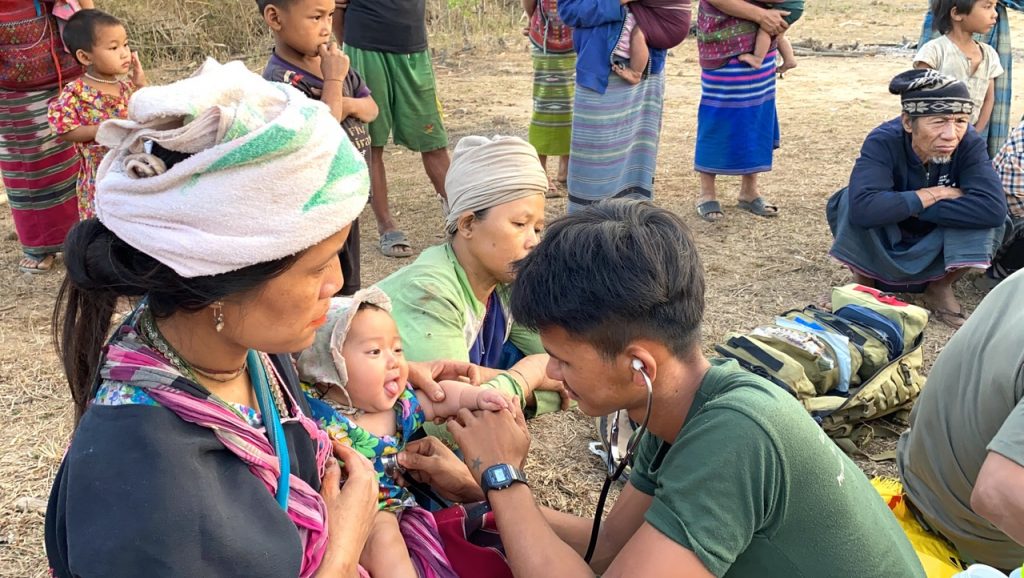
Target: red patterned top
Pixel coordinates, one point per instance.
(547, 31)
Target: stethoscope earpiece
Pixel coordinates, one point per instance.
(615, 471)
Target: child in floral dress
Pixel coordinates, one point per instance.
(355, 380)
(100, 44)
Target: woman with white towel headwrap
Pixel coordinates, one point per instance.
(452, 302)
(220, 211)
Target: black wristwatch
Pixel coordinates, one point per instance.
(500, 477)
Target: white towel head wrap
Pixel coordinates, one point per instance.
(488, 172)
(271, 173)
(322, 362)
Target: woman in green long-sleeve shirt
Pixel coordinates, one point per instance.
(452, 301)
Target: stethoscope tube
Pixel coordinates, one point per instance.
(616, 473)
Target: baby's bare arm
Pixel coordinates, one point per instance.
(385, 554)
(459, 395)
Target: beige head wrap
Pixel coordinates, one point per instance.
(322, 362)
(488, 172)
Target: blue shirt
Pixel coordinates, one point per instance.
(888, 174)
(597, 25)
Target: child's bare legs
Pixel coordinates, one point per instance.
(762, 42)
(561, 177)
(786, 50)
(552, 189)
(639, 54)
(385, 554)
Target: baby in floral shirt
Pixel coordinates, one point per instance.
(100, 44)
(355, 379)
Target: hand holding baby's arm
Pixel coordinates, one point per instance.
(458, 395)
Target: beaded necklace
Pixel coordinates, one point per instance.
(151, 333)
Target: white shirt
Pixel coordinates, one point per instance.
(945, 57)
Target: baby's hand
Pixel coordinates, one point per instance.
(493, 400)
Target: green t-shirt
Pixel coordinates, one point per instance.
(753, 487)
(971, 405)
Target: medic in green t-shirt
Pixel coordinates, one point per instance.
(733, 477)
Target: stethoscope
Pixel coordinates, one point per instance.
(614, 471)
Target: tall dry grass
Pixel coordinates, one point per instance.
(181, 33)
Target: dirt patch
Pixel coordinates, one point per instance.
(755, 267)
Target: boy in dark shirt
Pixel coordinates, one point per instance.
(302, 45)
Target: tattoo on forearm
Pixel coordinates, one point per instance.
(475, 466)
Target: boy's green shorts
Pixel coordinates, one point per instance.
(403, 87)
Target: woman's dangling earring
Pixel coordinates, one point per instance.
(218, 316)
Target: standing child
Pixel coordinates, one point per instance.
(100, 44)
(763, 40)
(956, 53)
(305, 57)
(355, 379)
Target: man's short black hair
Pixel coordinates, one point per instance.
(262, 4)
(612, 273)
(80, 31)
(942, 17)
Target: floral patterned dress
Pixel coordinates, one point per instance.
(82, 105)
(408, 415)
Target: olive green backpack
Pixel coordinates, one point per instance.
(805, 366)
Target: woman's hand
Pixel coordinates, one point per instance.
(430, 462)
(772, 21)
(424, 375)
(350, 510)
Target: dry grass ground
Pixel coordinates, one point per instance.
(755, 267)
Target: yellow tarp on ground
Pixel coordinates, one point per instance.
(939, 559)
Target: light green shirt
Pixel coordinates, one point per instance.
(971, 405)
(754, 488)
(439, 317)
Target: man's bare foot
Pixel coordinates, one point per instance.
(787, 65)
(628, 74)
(943, 304)
(750, 60)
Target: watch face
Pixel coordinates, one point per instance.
(500, 476)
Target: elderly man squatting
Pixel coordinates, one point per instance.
(924, 204)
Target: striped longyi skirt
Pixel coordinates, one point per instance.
(39, 172)
(551, 123)
(615, 141)
(737, 125)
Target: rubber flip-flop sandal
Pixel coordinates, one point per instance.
(759, 207)
(39, 266)
(390, 241)
(708, 208)
(952, 319)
